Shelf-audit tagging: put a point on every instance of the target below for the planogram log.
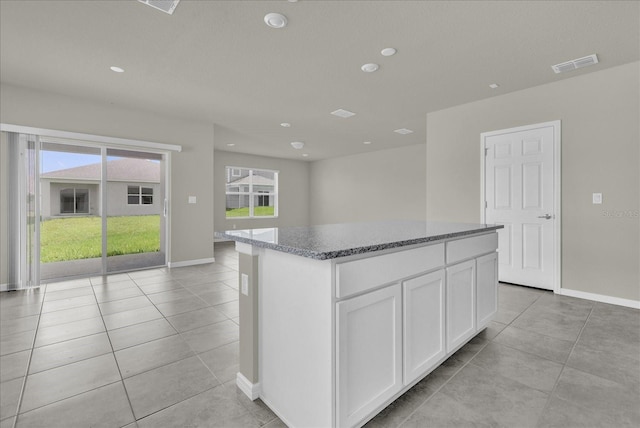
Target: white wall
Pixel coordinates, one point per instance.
(192, 169)
(293, 198)
(380, 185)
(600, 114)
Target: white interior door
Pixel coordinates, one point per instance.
(521, 192)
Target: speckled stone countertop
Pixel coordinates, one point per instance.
(331, 241)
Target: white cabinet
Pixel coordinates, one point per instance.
(423, 318)
(461, 302)
(486, 290)
(369, 352)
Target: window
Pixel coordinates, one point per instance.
(139, 195)
(251, 193)
(74, 201)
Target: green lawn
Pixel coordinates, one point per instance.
(257, 212)
(81, 238)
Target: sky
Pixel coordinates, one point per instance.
(54, 161)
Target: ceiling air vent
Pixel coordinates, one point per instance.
(575, 64)
(167, 6)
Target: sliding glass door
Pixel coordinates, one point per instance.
(136, 216)
(70, 210)
(78, 209)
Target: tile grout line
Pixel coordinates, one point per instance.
(555, 385)
(113, 353)
(26, 374)
(178, 333)
(197, 355)
(31, 350)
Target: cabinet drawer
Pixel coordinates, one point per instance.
(361, 275)
(471, 247)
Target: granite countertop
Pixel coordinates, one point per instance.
(331, 241)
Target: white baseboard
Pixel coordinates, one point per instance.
(190, 262)
(4, 287)
(600, 298)
(251, 390)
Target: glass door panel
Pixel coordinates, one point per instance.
(70, 210)
(136, 218)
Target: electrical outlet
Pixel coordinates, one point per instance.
(597, 198)
(192, 199)
(245, 284)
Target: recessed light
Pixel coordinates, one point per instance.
(292, 1)
(117, 69)
(388, 51)
(297, 145)
(366, 142)
(275, 20)
(306, 155)
(494, 85)
(343, 113)
(403, 131)
(370, 68)
(230, 144)
(285, 125)
(167, 6)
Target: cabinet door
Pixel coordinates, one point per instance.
(461, 302)
(423, 317)
(486, 288)
(368, 352)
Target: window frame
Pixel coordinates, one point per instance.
(140, 195)
(75, 200)
(251, 194)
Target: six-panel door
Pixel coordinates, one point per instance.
(369, 352)
(423, 316)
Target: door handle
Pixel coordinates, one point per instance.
(546, 216)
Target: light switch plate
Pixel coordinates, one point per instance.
(245, 284)
(192, 199)
(597, 198)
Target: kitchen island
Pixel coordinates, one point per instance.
(337, 321)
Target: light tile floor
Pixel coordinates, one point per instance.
(159, 348)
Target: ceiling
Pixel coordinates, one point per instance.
(217, 62)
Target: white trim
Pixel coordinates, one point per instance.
(194, 262)
(4, 287)
(166, 210)
(635, 304)
(247, 249)
(251, 390)
(123, 142)
(557, 187)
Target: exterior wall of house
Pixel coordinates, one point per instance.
(50, 197)
(600, 153)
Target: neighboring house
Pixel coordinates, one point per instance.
(133, 188)
(238, 180)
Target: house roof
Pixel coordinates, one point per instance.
(257, 180)
(124, 169)
(255, 77)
